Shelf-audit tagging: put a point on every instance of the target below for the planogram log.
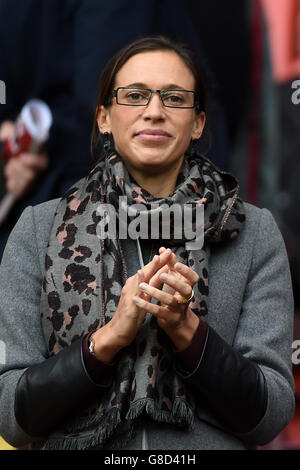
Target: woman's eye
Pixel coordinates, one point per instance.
(174, 98)
(135, 96)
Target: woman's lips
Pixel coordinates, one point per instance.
(153, 135)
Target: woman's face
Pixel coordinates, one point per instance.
(132, 126)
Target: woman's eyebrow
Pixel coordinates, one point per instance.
(137, 84)
(168, 86)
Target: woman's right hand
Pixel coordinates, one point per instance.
(121, 330)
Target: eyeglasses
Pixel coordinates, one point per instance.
(131, 96)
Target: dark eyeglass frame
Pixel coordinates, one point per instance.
(115, 95)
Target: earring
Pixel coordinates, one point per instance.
(192, 148)
(108, 145)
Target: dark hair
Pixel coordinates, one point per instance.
(146, 44)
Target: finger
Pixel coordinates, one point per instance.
(18, 164)
(180, 285)
(154, 309)
(6, 130)
(141, 279)
(34, 161)
(7, 169)
(13, 167)
(141, 303)
(187, 272)
(173, 259)
(12, 171)
(170, 266)
(19, 182)
(159, 295)
(141, 276)
(155, 280)
(162, 250)
(157, 262)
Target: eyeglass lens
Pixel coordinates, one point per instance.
(140, 97)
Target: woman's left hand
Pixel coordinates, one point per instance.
(174, 317)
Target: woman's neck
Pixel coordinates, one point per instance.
(161, 185)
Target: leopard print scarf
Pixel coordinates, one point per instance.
(83, 282)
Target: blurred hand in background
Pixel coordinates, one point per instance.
(21, 172)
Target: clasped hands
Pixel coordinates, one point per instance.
(167, 281)
(176, 280)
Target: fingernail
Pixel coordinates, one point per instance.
(137, 300)
(143, 286)
(164, 276)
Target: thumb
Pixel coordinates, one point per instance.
(6, 130)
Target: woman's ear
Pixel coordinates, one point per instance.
(199, 124)
(103, 119)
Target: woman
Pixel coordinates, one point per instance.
(135, 342)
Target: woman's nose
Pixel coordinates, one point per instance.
(155, 108)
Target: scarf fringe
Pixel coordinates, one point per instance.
(88, 441)
(181, 414)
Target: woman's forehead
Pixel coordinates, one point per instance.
(155, 69)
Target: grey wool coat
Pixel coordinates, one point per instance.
(250, 307)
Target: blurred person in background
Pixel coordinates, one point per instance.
(21, 172)
(37, 61)
(283, 24)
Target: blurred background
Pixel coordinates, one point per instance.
(55, 50)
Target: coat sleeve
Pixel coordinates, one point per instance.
(20, 332)
(27, 375)
(265, 330)
(248, 386)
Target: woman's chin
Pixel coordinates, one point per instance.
(152, 157)
(152, 165)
